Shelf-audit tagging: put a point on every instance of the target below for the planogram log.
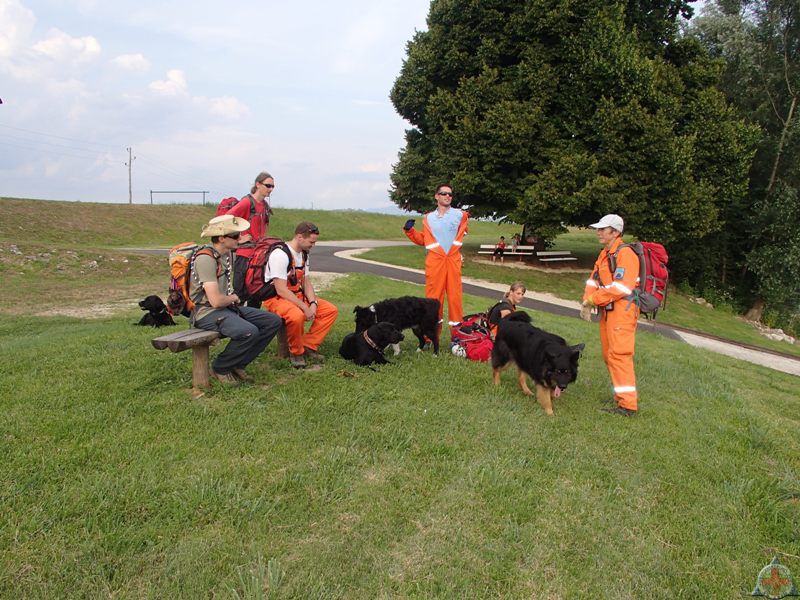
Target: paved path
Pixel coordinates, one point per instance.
(341, 257)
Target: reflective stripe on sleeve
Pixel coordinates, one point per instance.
(432, 246)
(621, 288)
(592, 283)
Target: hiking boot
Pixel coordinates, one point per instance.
(313, 355)
(242, 375)
(618, 410)
(297, 360)
(225, 378)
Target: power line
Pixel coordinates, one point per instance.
(60, 137)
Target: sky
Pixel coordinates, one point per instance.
(206, 95)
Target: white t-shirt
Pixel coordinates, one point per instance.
(278, 264)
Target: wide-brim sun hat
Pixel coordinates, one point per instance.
(224, 225)
(613, 221)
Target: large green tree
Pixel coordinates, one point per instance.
(552, 112)
(759, 42)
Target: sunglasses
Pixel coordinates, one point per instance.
(313, 230)
(233, 236)
(267, 185)
(445, 193)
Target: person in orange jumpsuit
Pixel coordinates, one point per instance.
(442, 234)
(609, 289)
(296, 300)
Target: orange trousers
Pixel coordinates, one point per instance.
(443, 275)
(299, 339)
(617, 340)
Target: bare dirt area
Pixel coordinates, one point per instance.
(126, 300)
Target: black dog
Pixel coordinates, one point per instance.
(547, 358)
(367, 347)
(157, 315)
(420, 314)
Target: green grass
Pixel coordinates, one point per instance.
(419, 479)
(101, 225)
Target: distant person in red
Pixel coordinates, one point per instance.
(442, 234)
(255, 208)
(499, 248)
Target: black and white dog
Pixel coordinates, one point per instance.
(366, 347)
(157, 315)
(420, 314)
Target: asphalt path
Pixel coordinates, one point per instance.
(342, 257)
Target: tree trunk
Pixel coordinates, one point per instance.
(756, 310)
(786, 126)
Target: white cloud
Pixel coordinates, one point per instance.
(62, 47)
(173, 85)
(226, 106)
(16, 24)
(132, 62)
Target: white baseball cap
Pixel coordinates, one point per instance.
(613, 221)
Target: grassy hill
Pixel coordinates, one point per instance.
(79, 246)
(417, 479)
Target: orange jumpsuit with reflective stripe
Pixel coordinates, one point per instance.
(297, 337)
(618, 318)
(442, 271)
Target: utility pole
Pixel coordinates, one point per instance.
(129, 164)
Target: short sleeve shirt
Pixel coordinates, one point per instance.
(278, 264)
(204, 269)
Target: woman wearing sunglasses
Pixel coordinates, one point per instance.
(255, 208)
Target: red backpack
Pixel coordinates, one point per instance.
(257, 287)
(229, 203)
(471, 338)
(651, 295)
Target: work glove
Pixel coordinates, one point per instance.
(586, 310)
(409, 224)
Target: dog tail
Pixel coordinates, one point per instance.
(521, 316)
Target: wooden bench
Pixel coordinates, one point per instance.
(555, 256)
(521, 250)
(199, 341)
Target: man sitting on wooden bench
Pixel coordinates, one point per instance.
(217, 307)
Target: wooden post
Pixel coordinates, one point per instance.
(200, 371)
(283, 343)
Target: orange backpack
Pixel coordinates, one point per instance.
(181, 259)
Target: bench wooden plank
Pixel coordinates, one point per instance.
(186, 339)
(558, 259)
(555, 253)
(199, 341)
(507, 253)
(508, 247)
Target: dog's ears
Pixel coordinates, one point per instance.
(356, 309)
(576, 350)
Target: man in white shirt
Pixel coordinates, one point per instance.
(296, 300)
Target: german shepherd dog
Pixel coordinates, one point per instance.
(545, 357)
(420, 314)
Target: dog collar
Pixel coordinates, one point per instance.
(370, 343)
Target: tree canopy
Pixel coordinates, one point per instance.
(552, 113)
(758, 42)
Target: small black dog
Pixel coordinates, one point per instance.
(366, 347)
(420, 314)
(545, 357)
(157, 315)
